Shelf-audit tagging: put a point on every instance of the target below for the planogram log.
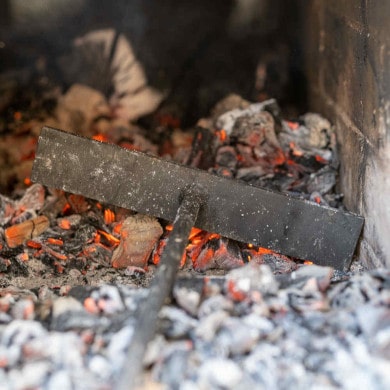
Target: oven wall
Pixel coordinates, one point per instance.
(347, 47)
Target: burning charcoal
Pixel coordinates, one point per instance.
(242, 281)
(78, 203)
(227, 120)
(139, 235)
(312, 138)
(98, 253)
(17, 234)
(219, 253)
(318, 198)
(226, 157)
(279, 264)
(322, 181)
(220, 373)
(70, 222)
(85, 233)
(175, 323)
(255, 130)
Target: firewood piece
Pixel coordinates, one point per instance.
(139, 235)
(18, 234)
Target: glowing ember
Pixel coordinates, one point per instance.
(109, 237)
(100, 137)
(65, 224)
(109, 216)
(222, 135)
(55, 241)
(27, 181)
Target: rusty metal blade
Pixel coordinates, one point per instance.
(153, 186)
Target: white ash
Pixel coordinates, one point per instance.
(227, 120)
(298, 330)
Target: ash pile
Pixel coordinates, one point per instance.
(74, 271)
(306, 329)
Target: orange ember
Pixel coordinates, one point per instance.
(55, 241)
(321, 159)
(295, 151)
(23, 257)
(17, 116)
(117, 228)
(64, 224)
(292, 125)
(308, 262)
(56, 254)
(100, 137)
(221, 134)
(66, 208)
(168, 120)
(109, 237)
(280, 158)
(27, 181)
(34, 244)
(109, 216)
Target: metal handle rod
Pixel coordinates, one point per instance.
(160, 289)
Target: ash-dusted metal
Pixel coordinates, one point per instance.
(153, 186)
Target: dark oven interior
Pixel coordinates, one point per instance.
(252, 271)
(321, 57)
